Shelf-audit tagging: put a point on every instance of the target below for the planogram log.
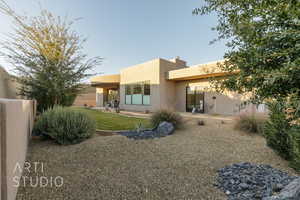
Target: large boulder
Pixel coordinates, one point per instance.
(290, 192)
(165, 128)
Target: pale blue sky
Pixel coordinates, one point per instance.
(130, 32)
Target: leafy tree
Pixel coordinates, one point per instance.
(264, 43)
(47, 55)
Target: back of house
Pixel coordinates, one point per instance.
(170, 84)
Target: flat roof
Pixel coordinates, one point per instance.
(196, 72)
(106, 80)
(201, 71)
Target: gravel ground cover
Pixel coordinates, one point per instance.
(183, 165)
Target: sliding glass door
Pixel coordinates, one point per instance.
(194, 100)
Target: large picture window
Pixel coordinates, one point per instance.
(138, 93)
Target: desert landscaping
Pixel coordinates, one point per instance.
(180, 166)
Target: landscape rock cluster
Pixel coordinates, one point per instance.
(246, 181)
(162, 130)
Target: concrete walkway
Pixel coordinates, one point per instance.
(207, 116)
(183, 114)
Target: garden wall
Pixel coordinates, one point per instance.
(16, 123)
(86, 97)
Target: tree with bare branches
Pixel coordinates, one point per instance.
(47, 56)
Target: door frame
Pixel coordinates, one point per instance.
(194, 100)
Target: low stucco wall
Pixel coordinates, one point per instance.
(86, 97)
(16, 123)
(7, 85)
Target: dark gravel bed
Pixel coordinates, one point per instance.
(246, 181)
(140, 135)
(162, 130)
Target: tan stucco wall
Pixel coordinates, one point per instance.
(148, 71)
(16, 122)
(201, 70)
(166, 87)
(87, 96)
(162, 91)
(227, 103)
(7, 85)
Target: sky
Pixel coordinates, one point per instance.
(131, 32)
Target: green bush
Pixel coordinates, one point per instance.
(277, 130)
(64, 125)
(250, 123)
(282, 130)
(295, 147)
(168, 116)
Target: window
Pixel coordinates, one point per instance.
(128, 93)
(137, 96)
(138, 93)
(146, 94)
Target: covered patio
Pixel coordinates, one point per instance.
(107, 89)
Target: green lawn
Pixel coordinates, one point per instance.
(113, 121)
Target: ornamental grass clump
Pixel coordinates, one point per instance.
(250, 123)
(168, 116)
(64, 125)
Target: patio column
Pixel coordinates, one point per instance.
(99, 97)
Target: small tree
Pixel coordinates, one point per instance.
(47, 55)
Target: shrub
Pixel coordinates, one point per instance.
(168, 116)
(282, 131)
(250, 123)
(64, 125)
(295, 147)
(276, 130)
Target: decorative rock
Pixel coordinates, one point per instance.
(290, 192)
(278, 187)
(244, 186)
(245, 181)
(163, 129)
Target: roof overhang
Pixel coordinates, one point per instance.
(202, 71)
(106, 81)
(198, 76)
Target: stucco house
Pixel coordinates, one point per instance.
(167, 84)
